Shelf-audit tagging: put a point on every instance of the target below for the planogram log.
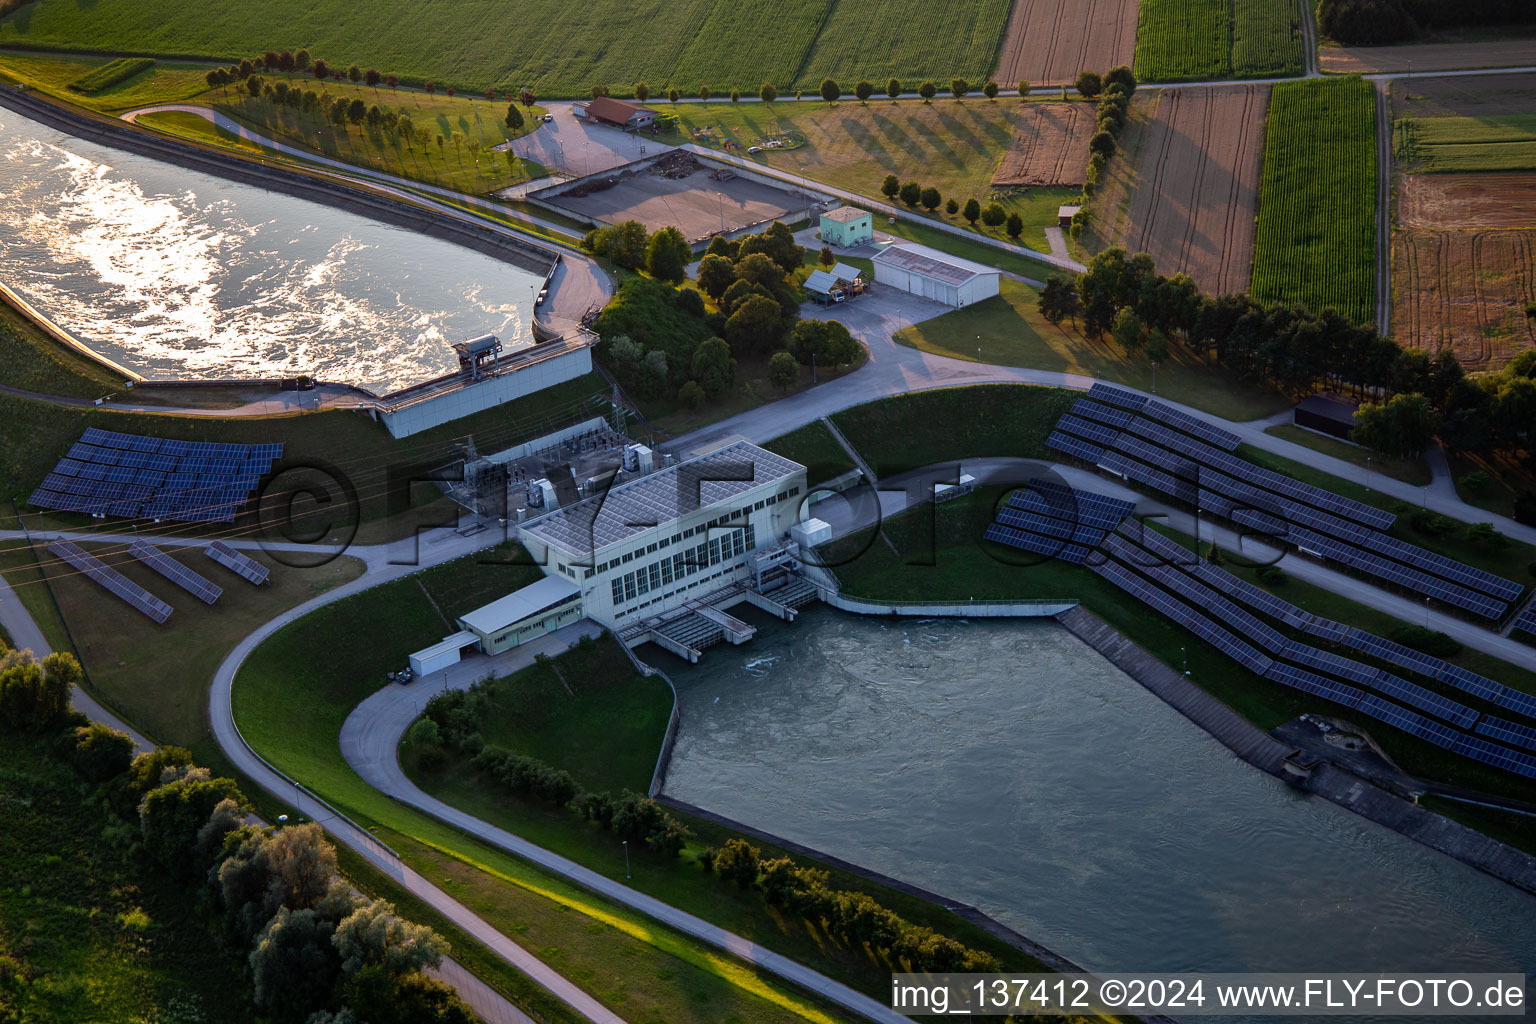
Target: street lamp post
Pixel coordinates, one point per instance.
(1185, 652)
(625, 844)
(1426, 613)
(1154, 376)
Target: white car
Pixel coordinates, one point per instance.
(754, 149)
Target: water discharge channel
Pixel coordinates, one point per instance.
(1007, 765)
(179, 274)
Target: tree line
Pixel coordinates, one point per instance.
(662, 341)
(1413, 396)
(315, 949)
(451, 723)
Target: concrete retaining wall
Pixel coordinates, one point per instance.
(433, 411)
(955, 609)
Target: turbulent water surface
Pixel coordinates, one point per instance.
(1007, 765)
(173, 273)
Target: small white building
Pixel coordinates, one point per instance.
(653, 544)
(935, 275)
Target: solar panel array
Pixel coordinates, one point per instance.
(237, 563)
(174, 571)
(111, 580)
(1526, 621)
(131, 476)
(1223, 439)
(1060, 522)
(1269, 503)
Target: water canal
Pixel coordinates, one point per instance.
(1009, 766)
(175, 273)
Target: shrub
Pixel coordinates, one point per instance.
(990, 90)
(1272, 575)
(891, 186)
(911, 193)
(101, 753)
(1088, 84)
(1485, 538)
(927, 91)
(1475, 482)
(830, 90)
(1023, 88)
(737, 862)
(864, 90)
(893, 88)
(951, 206)
(1429, 641)
(931, 199)
(783, 370)
(993, 215)
(1431, 524)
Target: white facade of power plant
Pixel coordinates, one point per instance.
(653, 544)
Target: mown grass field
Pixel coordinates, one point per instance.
(814, 447)
(954, 146)
(1008, 330)
(1192, 40)
(557, 48)
(1316, 239)
(32, 361)
(98, 936)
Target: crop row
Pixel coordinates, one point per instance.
(1316, 239)
(1193, 40)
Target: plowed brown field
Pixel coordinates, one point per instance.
(1494, 53)
(1427, 201)
(1197, 184)
(1466, 290)
(1049, 145)
(1050, 41)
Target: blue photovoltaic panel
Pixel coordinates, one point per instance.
(1411, 722)
(1117, 396)
(93, 435)
(176, 572)
(122, 475)
(112, 580)
(1499, 757)
(235, 562)
(1507, 732)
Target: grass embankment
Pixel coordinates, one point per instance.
(951, 145)
(35, 435)
(54, 74)
(590, 713)
(124, 653)
(559, 49)
(460, 131)
(290, 706)
(1008, 330)
(1316, 240)
(814, 447)
(910, 431)
(1409, 471)
(32, 361)
(1184, 40)
(108, 75)
(98, 937)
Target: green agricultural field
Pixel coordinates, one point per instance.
(1316, 239)
(954, 146)
(558, 48)
(1192, 40)
(1499, 142)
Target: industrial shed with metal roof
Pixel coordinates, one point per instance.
(935, 275)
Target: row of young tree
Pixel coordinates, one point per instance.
(300, 62)
(854, 918)
(1293, 350)
(913, 193)
(662, 341)
(316, 950)
(1088, 85)
(451, 723)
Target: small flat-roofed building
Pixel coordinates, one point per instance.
(935, 275)
(620, 113)
(505, 623)
(1064, 215)
(653, 544)
(1327, 413)
(847, 226)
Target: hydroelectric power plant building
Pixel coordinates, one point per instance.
(658, 557)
